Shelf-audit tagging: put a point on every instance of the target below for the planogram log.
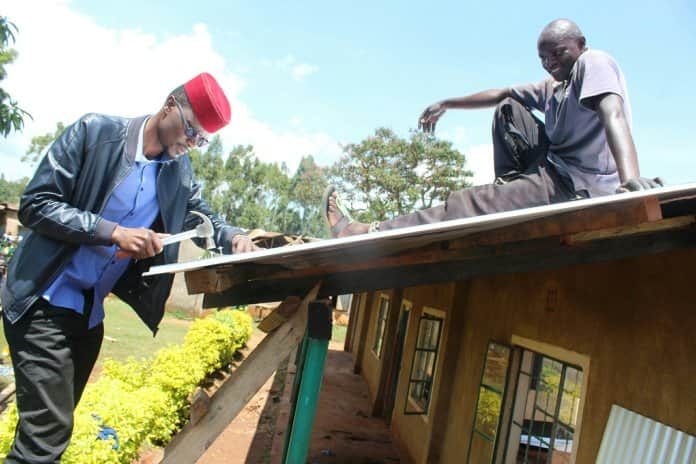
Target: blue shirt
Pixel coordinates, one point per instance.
(133, 203)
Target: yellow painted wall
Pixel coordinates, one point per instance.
(371, 364)
(412, 432)
(635, 319)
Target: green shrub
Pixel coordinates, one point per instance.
(145, 401)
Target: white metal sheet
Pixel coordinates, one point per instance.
(390, 241)
(630, 438)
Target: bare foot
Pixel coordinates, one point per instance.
(335, 215)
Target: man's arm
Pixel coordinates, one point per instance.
(485, 99)
(609, 108)
(45, 204)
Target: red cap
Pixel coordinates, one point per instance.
(208, 102)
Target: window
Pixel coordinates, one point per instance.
(424, 363)
(381, 325)
(484, 436)
(546, 412)
(539, 422)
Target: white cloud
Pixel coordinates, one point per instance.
(303, 70)
(479, 158)
(69, 65)
(296, 69)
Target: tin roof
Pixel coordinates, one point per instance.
(530, 238)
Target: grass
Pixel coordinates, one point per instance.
(339, 333)
(125, 335)
(130, 335)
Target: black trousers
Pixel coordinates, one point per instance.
(53, 353)
(525, 177)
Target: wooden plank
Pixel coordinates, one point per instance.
(608, 216)
(192, 441)
(390, 241)
(279, 315)
(506, 258)
(643, 228)
(624, 215)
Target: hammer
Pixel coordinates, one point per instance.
(203, 230)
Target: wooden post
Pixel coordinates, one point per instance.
(389, 364)
(362, 338)
(352, 321)
(192, 441)
(451, 351)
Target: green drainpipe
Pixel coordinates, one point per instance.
(310, 369)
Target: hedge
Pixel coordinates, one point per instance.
(145, 402)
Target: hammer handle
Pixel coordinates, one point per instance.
(179, 237)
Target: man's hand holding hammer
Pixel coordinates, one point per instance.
(140, 243)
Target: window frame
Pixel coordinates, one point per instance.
(380, 325)
(566, 358)
(503, 403)
(429, 314)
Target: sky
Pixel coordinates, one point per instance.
(307, 77)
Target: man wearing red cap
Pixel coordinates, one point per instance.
(101, 200)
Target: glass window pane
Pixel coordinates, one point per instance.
(487, 412)
(380, 326)
(419, 366)
(570, 401)
(434, 334)
(424, 364)
(496, 367)
(547, 426)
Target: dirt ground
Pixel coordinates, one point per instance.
(344, 433)
(249, 437)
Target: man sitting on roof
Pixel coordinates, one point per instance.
(584, 148)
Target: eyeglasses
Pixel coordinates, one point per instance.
(189, 131)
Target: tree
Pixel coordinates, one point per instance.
(11, 115)
(11, 190)
(306, 189)
(384, 175)
(40, 143)
(252, 194)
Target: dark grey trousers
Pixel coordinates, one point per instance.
(519, 151)
(53, 353)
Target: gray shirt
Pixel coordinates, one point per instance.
(579, 147)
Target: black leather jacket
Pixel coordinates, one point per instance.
(62, 204)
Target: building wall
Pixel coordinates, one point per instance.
(635, 320)
(371, 364)
(179, 298)
(411, 432)
(9, 222)
(358, 320)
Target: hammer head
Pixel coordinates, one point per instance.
(205, 230)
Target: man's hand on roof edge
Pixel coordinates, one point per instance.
(640, 183)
